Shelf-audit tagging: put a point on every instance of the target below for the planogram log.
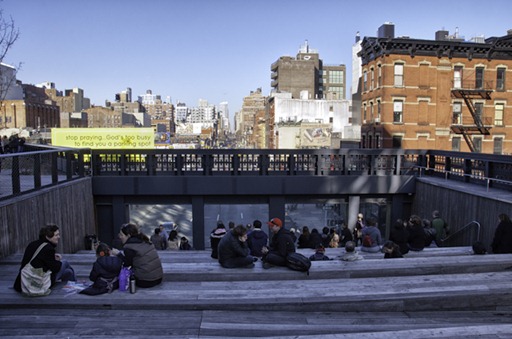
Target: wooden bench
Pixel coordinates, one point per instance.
(423, 295)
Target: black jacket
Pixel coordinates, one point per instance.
(104, 274)
(502, 242)
(230, 247)
(256, 240)
(282, 243)
(45, 259)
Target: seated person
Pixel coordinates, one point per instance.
(391, 250)
(281, 245)
(233, 250)
(371, 237)
(319, 254)
(105, 272)
(350, 252)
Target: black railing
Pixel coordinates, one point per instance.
(32, 170)
(46, 166)
(254, 162)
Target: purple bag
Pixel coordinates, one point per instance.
(124, 279)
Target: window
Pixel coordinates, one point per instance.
(398, 111)
(399, 75)
(363, 141)
(397, 141)
(500, 79)
(498, 114)
(457, 113)
(479, 77)
(479, 110)
(377, 141)
(477, 142)
(372, 78)
(378, 109)
(372, 116)
(379, 76)
(498, 146)
(365, 81)
(456, 144)
(364, 113)
(457, 77)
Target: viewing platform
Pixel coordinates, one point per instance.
(439, 292)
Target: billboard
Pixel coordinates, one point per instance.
(315, 135)
(111, 138)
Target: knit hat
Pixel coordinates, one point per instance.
(275, 222)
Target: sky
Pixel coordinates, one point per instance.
(217, 50)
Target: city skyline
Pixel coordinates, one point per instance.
(212, 50)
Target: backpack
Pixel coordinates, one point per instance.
(298, 262)
(367, 241)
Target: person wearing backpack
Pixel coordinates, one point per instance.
(280, 246)
(371, 237)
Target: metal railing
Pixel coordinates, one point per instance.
(29, 171)
(462, 229)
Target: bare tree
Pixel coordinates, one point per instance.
(9, 34)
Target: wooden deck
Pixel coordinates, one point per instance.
(439, 292)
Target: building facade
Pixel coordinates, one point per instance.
(445, 94)
(306, 77)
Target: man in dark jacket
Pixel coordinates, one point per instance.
(233, 250)
(280, 246)
(257, 239)
(47, 258)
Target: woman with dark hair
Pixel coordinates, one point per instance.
(391, 250)
(47, 258)
(502, 242)
(416, 239)
(304, 238)
(140, 254)
(399, 235)
(173, 242)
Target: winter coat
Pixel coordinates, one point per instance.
(159, 242)
(231, 247)
(502, 242)
(215, 237)
(45, 259)
(104, 274)
(282, 243)
(375, 236)
(256, 240)
(399, 235)
(144, 260)
(416, 239)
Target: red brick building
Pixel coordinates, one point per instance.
(445, 94)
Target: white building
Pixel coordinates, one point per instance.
(10, 89)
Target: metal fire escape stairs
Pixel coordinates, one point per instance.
(478, 128)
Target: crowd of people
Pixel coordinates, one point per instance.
(241, 246)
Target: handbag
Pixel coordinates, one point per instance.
(35, 282)
(124, 278)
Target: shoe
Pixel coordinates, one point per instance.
(266, 265)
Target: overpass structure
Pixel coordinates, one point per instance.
(344, 178)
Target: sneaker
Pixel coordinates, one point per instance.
(266, 265)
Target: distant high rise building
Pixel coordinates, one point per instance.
(306, 77)
(224, 111)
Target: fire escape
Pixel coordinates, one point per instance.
(476, 126)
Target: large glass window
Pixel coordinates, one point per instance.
(498, 114)
(336, 77)
(477, 142)
(398, 111)
(500, 79)
(399, 75)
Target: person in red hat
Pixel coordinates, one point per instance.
(280, 246)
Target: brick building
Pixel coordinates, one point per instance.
(446, 94)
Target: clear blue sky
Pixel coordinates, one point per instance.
(218, 50)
